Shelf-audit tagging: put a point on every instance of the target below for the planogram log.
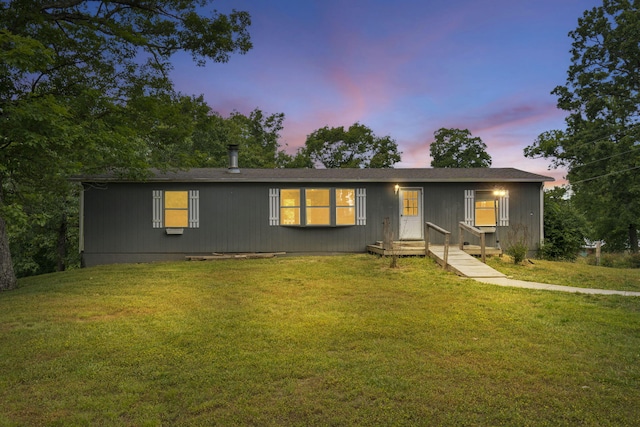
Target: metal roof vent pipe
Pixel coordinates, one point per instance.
(233, 158)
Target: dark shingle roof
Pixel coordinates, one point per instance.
(335, 175)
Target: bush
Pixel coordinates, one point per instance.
(518, 252)
(517, 243)
(617, 260)
(564, 227)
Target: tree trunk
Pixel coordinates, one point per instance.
(633, 238)
(62, 244)
(8, 279)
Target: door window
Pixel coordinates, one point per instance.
(410, 203)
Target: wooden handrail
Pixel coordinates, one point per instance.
(447, 234)
(476, 232)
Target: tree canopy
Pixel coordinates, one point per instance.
(84, 87)
(257, 136)
(356, 147)
(600, 145)
(456, 148)
(565, 228)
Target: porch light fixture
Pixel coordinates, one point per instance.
(499, 192)
(396, 188)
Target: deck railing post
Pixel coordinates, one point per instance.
(446, 249)
(387, 239)
(426, 239)
(447, 239)
(476, 232)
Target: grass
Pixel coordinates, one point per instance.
(304, 341)
(579, 273)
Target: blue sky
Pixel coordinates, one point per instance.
(404, 68)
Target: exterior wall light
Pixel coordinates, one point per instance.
(396, 188)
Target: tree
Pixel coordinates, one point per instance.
(456, 148)
(565, 228)
(44, 235)
(600, 146)
(75, 75)
(356, 147)
(257, 136)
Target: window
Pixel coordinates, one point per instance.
(290, 207)
(481, 207)
(345, 206)
(485, 209)
(317, 206)
(410, 202)
(176, 209)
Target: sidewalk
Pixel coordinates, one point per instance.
(503, 281)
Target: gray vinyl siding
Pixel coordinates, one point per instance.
(234, 217)
(444, 206)
(118, 224)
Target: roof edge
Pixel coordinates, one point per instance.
(325, 175)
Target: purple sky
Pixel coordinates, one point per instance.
(403, 68)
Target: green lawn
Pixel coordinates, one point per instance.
(578, 273)
(305, 341)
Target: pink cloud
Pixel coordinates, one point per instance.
(403, 71)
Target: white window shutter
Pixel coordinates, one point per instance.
(469, 207)
(194, 209)
(361, 206)
(274, 206)
(157, 209)
(503, 214)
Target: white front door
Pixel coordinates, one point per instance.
(411, 214)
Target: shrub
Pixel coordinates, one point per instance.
(617, 260)
(634, 260)
(564, 227)
(609, 260)
(517, 243)
(518, 252)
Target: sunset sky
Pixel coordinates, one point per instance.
(404, 68)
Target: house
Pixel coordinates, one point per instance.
(203, 211)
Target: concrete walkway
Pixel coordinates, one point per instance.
(504, 281)
(466, 265)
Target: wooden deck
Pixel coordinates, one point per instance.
(460, 262)
(416, 248)
(400, 248)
